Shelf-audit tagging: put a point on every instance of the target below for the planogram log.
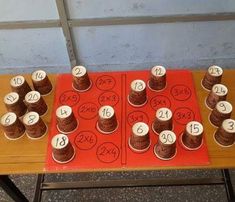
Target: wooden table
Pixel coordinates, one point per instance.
(27, 156)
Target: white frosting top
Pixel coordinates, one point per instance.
(229, 125)
(194, 128)
(11, 98)
(106, 112)
(215, 70)
(79, 71)
(63, 111)
(17, 81)
(138, 85)
(38, 75)
(31, 118)
(167, 137)
(224, 107)
(158, 71)
(59, 141)
(220, 89)
(32, 96)
(8, 119)
(164, 114)
(140, 129)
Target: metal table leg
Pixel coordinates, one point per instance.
(38, 189)
(10, 188)
(223, 180)
(228, 185)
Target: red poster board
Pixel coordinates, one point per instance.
(98, 151)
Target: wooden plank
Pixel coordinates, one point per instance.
(66, 30)
(27, 156)
(151, 19)
(23, 151)
(30, 24)
(220, 157)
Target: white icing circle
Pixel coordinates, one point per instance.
(138, 85)
(59, 141)
(167, 137)
(164, 114)
(32, 96)
(79, 71)
(140, 129)
(194, 128)
(220, 89)
(11, 98)
(8, 119)
(215, 70)
(229, 125)
(158, 71)
(38, 75)
(106, 112)
(31, 118)
(63, 111)
(224, 107)
(17, 81)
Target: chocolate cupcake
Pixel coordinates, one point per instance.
(192, 135)
(62, 150)
(35, 102)
(66, 121)
(225, 134)
(165, 149)
(137, 96)
(34, 125)
(20, 86)
(139, 140)
(213, 76)
(157, 78)
(222, 111)
(81, 80)
(163, 120)
(41, 82)
(14, 104)
(107, 121)
(12, 126)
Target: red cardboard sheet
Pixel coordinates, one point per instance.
(98, 151)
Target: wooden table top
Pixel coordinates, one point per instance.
(28, 156)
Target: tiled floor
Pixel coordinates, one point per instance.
(181, 193)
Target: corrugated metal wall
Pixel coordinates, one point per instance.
(122, 46)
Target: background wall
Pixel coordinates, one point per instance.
(114, 47)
